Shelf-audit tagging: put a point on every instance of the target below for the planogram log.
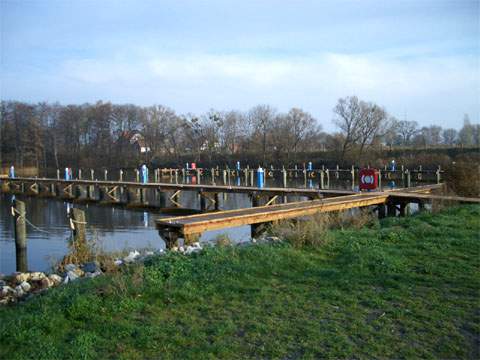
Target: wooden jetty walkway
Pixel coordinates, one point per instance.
(137, 194)
(191, 227)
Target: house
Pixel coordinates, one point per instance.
(133, 140)
(139, 141)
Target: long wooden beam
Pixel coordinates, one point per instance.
(196, 224)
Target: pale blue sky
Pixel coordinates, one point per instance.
(417, 58)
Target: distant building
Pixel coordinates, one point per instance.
(134, 139)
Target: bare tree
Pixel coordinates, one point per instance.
(407, 129)
(449, 136)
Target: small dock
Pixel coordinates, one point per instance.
(387, 202)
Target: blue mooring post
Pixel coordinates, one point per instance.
(392, 165)
(186, 167)
(238, 165)
(310, 166)
(260, 177)
(11, 173)
(67, 174)
(144, 174)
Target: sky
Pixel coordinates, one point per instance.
(418, 59)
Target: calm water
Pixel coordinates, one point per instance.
(113, 228)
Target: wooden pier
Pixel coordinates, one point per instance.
(391, 202)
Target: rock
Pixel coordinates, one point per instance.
(37, 276)
(46, 283)
(71, 276)
(93, 274)
(91, 267)
(118, 262)
(192, 249)
(5, 291)
(70, 267)
(174, 249)
(55, 279)
(149, 253)
(19, 291)
(181, 249)
(21, 277)
(25, 286)
(131, 256)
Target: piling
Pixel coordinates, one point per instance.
(438, 174)
(58, 174)
(79, 174)
(353, 177)
(78, 225)
(121, 175)
(105, 175)
(20, 225)
(92, 174)
(322, 179)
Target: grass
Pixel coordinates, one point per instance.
(402, 288)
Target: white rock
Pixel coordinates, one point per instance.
(94, 274)
(192, 249)
(149, 253)
(55, 279)
(5, 290)
(118, 262)
(21, 277)
(181, 249)
(37, 276)
(25, 286)
(174, 249)
(72, 276)
(70, 267)
(19, 291)
(131, 256)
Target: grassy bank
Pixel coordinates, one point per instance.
(402, 288)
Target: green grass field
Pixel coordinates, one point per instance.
(404, 288)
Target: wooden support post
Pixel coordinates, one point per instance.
(203, 203)
(162, 199)
(170, 236)
(191, 238)
(78, 225)
(391, 209)
(381, 211)
(20, 225)
(217, 201)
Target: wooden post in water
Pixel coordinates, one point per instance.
(79, 174)
(20, 225)
(105, 174)
(408, 178)
(183, 175)
(327, 172)
(252, 175)
(224, 177)
(78, 225)
(198, 177)
(438, 174)
(212, 174)
(92, 174)
(322, 179)
(176, 176)
(58, 174)
(121, 175)
(380, 182)
(337, 173)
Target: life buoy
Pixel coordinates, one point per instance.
(389, 175)
(270, 173)
(312, 174)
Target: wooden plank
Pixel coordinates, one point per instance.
(199, 223)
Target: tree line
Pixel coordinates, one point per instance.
(103, 134)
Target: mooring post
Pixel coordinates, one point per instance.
(92, 174)
(78, 225)
(337, 173)
(245, 174)
(438, 174)
(176, 176)
(217, 201)
(407, 172)
(20, 225)
(353, 177)
(198, 176)
(183, 175)
(322, 179)
(212, 174)
(105, 174)
(380, 181)
(58, 174)
(121, 175)
(228, 175)
(251, 177)
(224, 177)
(79, 174)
